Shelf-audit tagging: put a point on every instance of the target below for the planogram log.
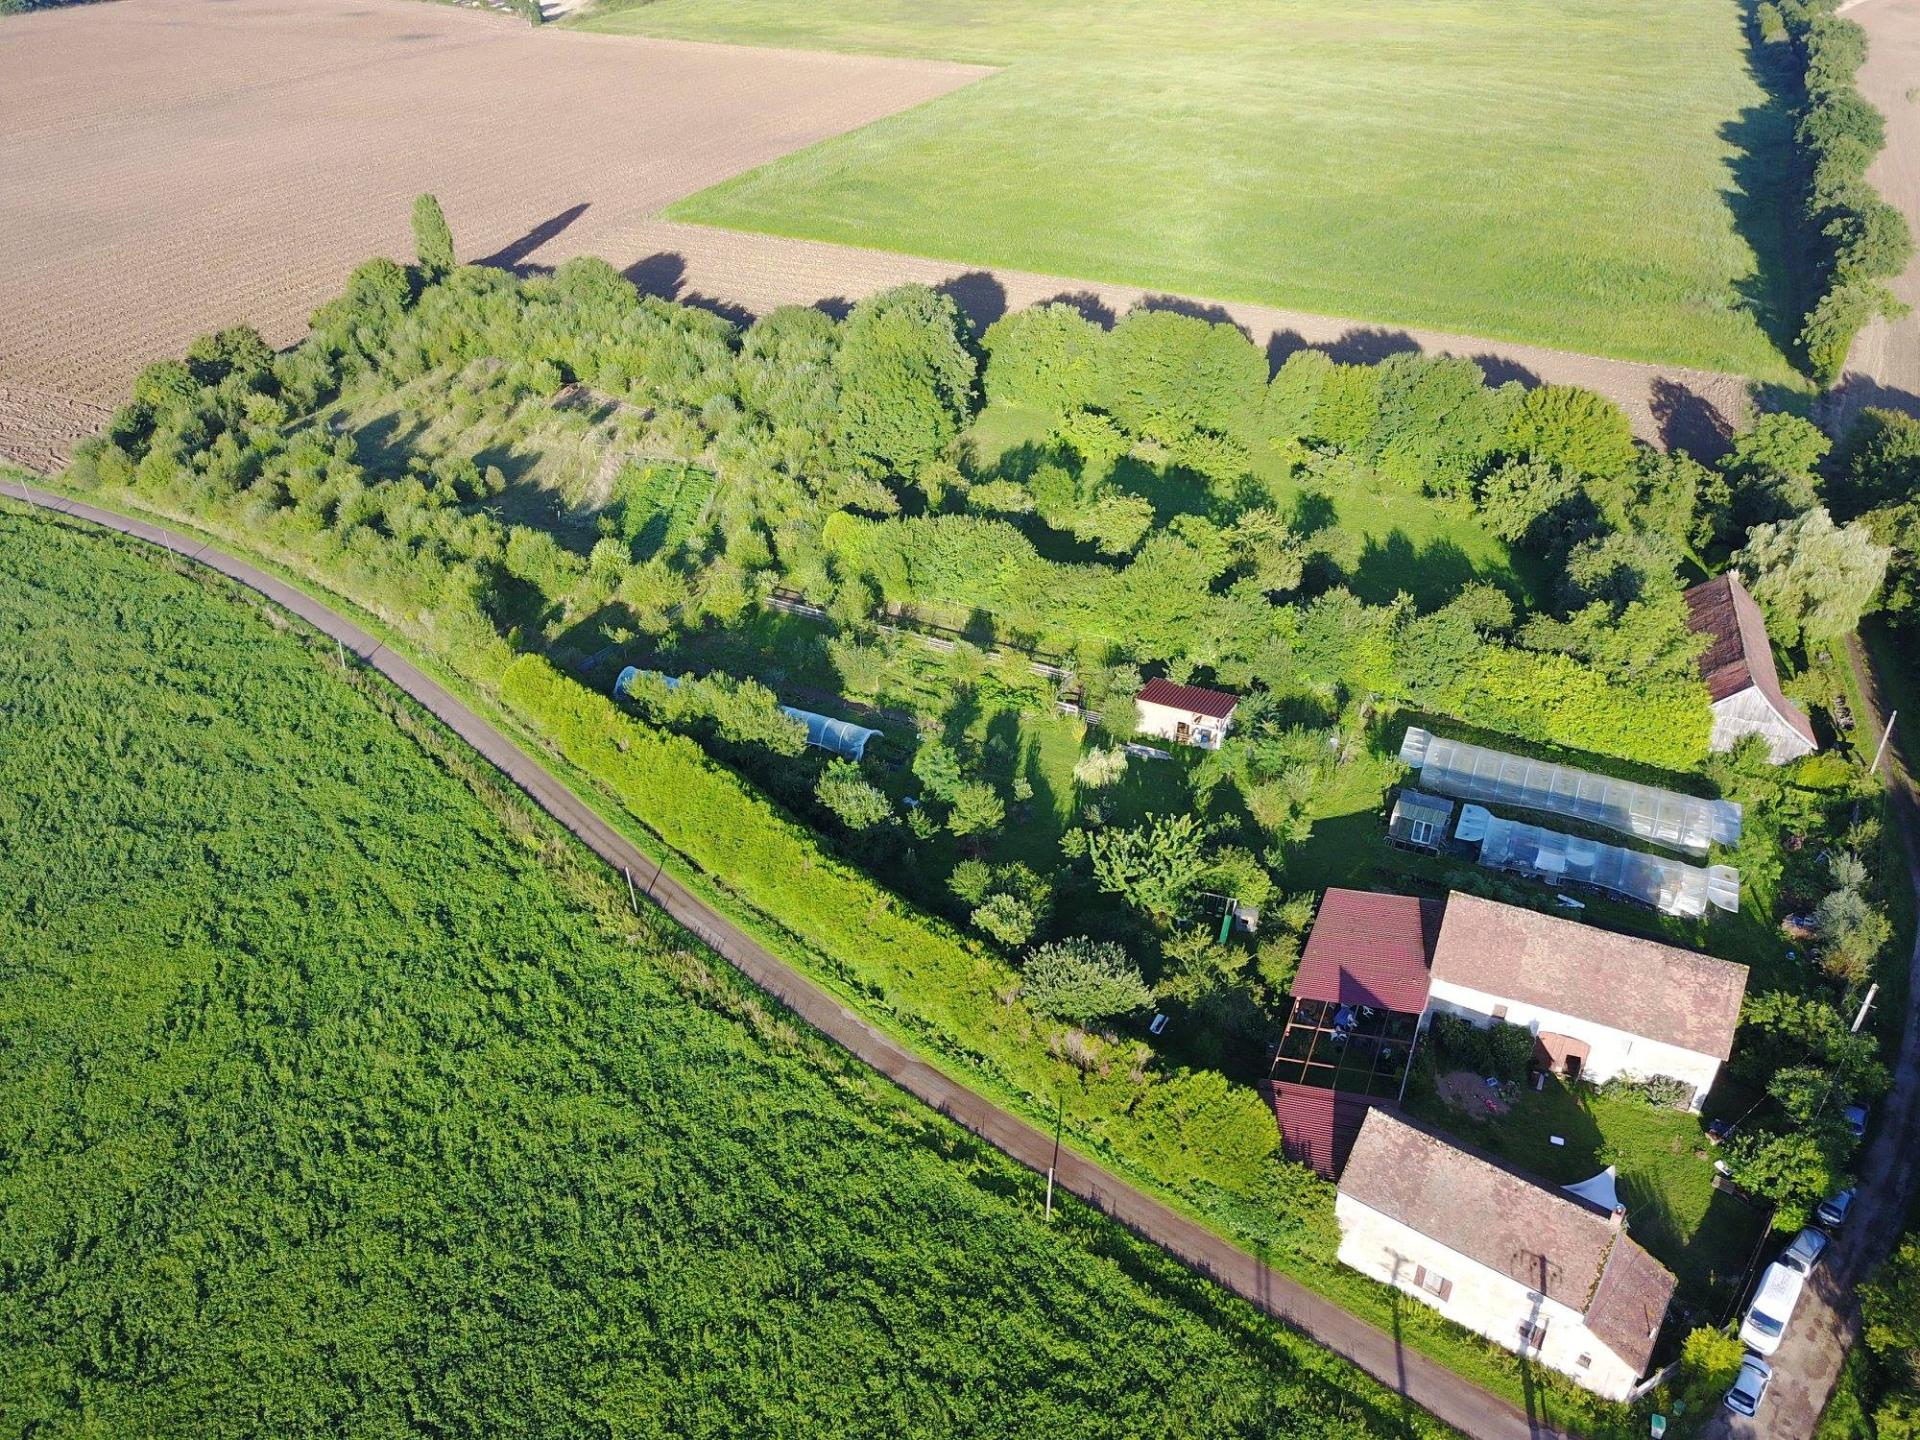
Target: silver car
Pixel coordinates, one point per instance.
(1804, 1250)
(1749, 1386)
(1833, 1210)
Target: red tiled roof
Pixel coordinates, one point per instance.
(1318, 1126)
(1216, 703)
(1370, 949)
(1739, 656)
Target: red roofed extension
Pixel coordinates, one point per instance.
(1370, 949)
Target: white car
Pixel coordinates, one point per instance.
(1749, 1386)
(1805, 1249)
(1772, 1308)
(1833, 1210)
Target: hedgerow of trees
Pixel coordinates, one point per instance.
(1858, 241)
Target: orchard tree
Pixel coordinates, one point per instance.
(432, 237)
(1153, 867)
(1814, 579)
(859, 804)
(1082, 980)
(1794, 1170)
(906, 381)
(977, 810)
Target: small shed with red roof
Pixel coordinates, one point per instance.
(1185, 714)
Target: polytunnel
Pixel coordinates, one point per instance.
(1493, 777)
(842, 737)
(1667, 885)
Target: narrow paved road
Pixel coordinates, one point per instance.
(1827, 1322)
(1420, 1380)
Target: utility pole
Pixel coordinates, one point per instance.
(1058, 1112)
(1865, 1005)
(341, 651)
(1885, 735)
(632, 899)
(27, 495)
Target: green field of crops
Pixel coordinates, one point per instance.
(340, 1097)
(1595, 176)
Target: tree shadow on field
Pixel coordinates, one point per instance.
(664, 276)
(1689, 421)
(1499, 370)
(980, 296)
(1369, 345)
(1198, 310)
(1433, 574)
(1090, 306)
(1761, 194)
(513, 255)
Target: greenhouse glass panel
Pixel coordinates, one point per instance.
(1667, 885)
(1664, 817)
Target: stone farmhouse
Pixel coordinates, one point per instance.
(1531, 1267)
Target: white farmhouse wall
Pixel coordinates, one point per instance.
(1748, 713)
(1614, 1052)
(1482, 1299)
(1165, 721)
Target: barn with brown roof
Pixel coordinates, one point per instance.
(1532, 1267)
(1738, 668)
(1600, 1003)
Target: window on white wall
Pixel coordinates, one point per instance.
(1433, 1282)
(1531, 1335)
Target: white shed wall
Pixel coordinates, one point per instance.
(1748, 713)
(1165, 722)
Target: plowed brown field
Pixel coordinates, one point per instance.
(173, 165)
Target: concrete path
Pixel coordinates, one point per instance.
(1827, 1322)
(1422, 1381)
(1884, 366)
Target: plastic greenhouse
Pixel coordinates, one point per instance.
(842, 737)
(1667, 885)
(1493, 777)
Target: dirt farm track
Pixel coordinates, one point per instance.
(177, 165)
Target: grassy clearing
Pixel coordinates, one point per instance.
(1599, 177)
(343, 1097)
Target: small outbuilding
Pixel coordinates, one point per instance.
(1185, 714)
(1419, 821)
(1739, 670)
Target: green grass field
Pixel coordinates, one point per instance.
(1595, 176)
(341, 1096)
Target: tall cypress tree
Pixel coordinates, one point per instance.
(432, 238)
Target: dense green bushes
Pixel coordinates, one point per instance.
(1859, 241)
(1191, 1131)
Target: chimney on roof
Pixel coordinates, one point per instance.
(1619, 1216)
